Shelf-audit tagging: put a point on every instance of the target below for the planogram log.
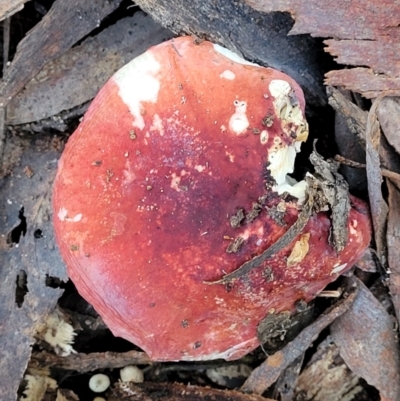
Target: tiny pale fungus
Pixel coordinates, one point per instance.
(99, 383)
(131, 373)
(172, 148)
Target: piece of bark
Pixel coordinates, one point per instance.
(76, 76)
(83, 363)
(266, 374)
(367, 342)
(393, 240)
(359, 52)
(149, 391)
(363, 36)
(10, 7)
(339, 19)
(327, 378)
(261, 38)
(28, 258)
(363, 80)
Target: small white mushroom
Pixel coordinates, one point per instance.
(131, 374)
(99, 383)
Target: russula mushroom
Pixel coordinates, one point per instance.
(177, 175)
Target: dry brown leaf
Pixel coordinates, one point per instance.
(47, 41)
(367, 341)
(299, 251)
(393, 240)
(76, 77)
(388, 113)
(29, 261)
(378, 205)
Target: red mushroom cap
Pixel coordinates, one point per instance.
(157, 193)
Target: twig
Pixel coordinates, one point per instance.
(88, 362)
(386, 173)
(266, 374)
(149, 391)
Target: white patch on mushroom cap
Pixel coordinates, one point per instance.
(157, 125)
(227, 354)
(298, 190)
(62, 213)
(279, 88)
(232, 56)
(63, 216)
(199, 168)
(338, 268)
(281, 163)
(287, 108)
(138, 82)
(238, 123)
(264, 137)
(228, 74)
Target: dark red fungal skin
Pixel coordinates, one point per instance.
(142, 249)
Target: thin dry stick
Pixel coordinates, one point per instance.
(88, 362)
(386, 173)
